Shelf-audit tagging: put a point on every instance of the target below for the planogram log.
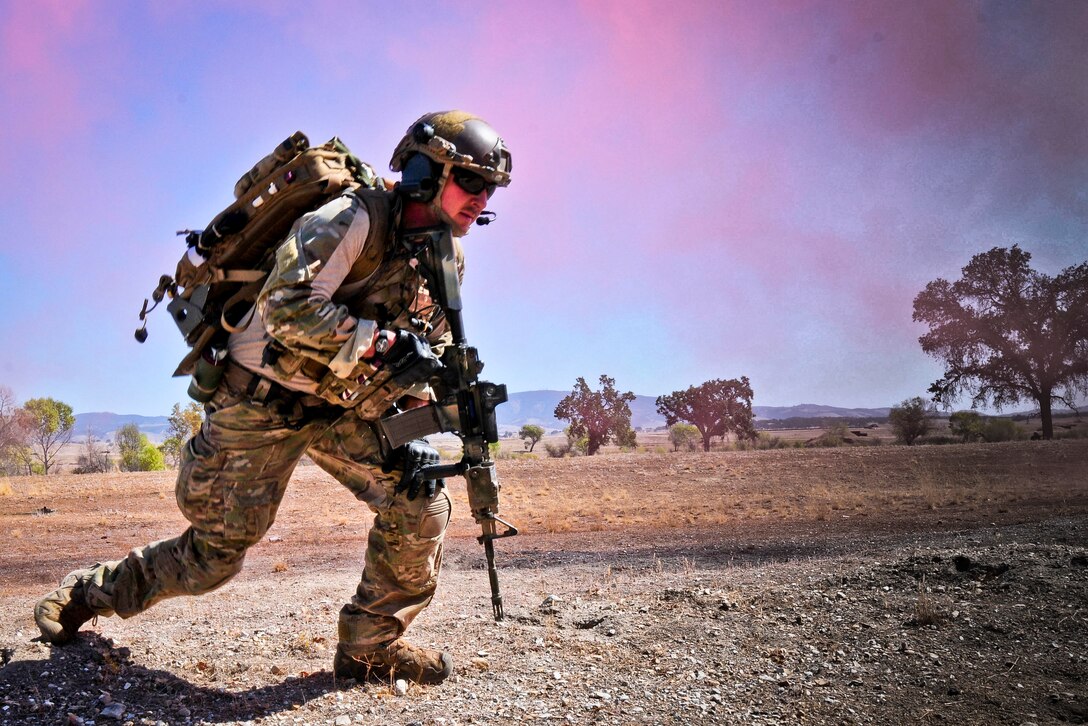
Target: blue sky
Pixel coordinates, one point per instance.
(701, 190)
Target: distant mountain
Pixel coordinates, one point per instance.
(104, 424)
(816, 410)
(525, 407)
(537, 407)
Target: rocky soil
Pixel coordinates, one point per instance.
(843, 620)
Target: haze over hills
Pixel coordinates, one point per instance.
(537, 407)
(104, 424)
(525, 407)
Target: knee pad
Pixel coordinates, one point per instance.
(435, 516)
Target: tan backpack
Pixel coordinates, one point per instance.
(218, 278)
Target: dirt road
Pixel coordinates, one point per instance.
(934, 584)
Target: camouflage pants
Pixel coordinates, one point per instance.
(233, 475)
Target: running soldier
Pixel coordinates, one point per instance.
(345, 297)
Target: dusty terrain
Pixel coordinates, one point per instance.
(874, 585)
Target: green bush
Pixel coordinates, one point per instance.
(136, 452)
(150, 458)
(684, 436)
(966, 424)
(576, 445)
(626, 439)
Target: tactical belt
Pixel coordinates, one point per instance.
(267, 392)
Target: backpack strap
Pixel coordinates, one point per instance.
(381, 209)
(239, 275)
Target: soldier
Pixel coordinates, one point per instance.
(327, 315)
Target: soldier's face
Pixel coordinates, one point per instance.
(460, 206)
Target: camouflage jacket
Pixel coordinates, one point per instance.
(339, 276)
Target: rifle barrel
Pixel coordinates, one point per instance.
(493, 576)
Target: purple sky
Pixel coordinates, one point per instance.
(701, 190)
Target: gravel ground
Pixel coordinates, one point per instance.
(985, 625)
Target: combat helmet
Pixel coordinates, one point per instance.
(437, 143)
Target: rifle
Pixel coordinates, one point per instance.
(464, 405)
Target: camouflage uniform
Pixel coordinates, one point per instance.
(317, 313)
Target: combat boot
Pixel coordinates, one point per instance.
(395, 659)
(61, 613)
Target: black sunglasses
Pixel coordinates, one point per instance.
(472, 182)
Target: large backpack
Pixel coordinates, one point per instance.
(218, 278)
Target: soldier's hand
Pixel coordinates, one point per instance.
(407, 356)
(413, 456)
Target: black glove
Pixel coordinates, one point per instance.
(413, 456)
(409, 357)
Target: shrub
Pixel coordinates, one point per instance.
(626, 439)
(966, 424)
(834, 436)
(762, 443)
(93, 458)
(576, 445)
(684, 436)
(557, 451)
(1000, 429)
(939, 440)
(137, 453)
(150, 458)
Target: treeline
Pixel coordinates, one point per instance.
(33, 434)
(817, 422)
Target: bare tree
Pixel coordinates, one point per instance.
(94, 458)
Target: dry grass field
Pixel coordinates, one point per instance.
(780, 586)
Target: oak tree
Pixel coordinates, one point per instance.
(910, 419)
(716, 408)
(596, 415)
(1008, 333)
